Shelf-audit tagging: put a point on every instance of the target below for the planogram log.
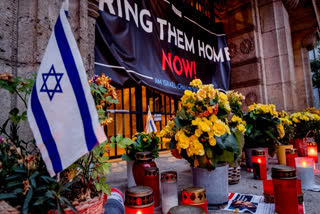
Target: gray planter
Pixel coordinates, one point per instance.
(215, 182)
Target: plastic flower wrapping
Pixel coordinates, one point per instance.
(264, 127)
(208, 127)
(104, 95)
(305, 121)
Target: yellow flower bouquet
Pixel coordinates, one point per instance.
(264, 128)
(303, 122)
(206, 130)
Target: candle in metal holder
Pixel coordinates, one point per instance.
(285, 189)
(259, 163)
(268, 191)
(195, 196)
(169, 191)
(151, 179)
(139, 200)
(312, 151)
(291, 154)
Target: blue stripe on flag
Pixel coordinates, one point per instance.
(74, 78)
(152, 126)
(45, 131)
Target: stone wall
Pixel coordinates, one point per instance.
(25, 28)
(268, 42)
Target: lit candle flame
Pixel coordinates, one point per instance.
(259, 160)
(304, 163)
(139, 212)
(312, 151)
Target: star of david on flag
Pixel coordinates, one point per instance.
(61, 110)
(55, 76)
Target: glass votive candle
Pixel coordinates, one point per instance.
(259, 163)
(169, 190)
(312, 151)
(151, 179)
(195, 196)
(285, 189)
(186, 209)
(291, 154)
(139, 200)
(268, 191)
(305, 172)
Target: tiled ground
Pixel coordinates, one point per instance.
(118, 178)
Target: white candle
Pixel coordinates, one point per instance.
(169, 196)
(306, 175)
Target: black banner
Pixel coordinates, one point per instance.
(159, 44)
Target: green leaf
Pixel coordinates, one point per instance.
(102, 179)
(4, 196)
(34, 175)
(126, 157)
(119, 138)
(98, 186)
(112, 145)
(106, 189)
(13, 184)
(113, 139)
(25, 207)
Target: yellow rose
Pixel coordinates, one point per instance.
(201, 94)
(196, 121)
(212, 141)
(213, 118)
(195, 83)
(281, 130)
(241, 128)
(204, 126)
(198, 132)
(220, 128)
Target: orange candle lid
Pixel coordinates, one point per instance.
(143, 156)
(194, 195)
(139, 197)
(291, 151)
(169, 177)
(258, 152)
(283, 172)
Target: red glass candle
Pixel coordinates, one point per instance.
(259, 163)
(268, 191)
(142, 162)
(195, 196)
(285, 189)
(291, 154)
(139, 200)
(151, 179)
(312, 151)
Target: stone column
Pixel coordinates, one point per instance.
(303, 41)
(93, 8)
(277, 54)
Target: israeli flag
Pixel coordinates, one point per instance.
(151, 127)
(61, 110)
